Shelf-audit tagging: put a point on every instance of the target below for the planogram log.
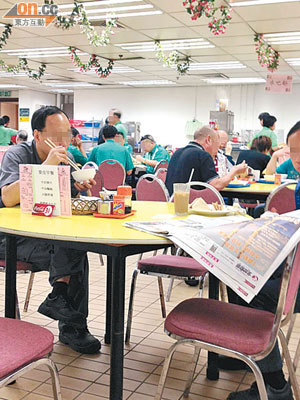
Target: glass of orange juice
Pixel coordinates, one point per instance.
(181, 198)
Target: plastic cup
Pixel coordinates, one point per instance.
(256, 174)
(181, 198)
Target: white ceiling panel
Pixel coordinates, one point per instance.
(171, 33)
(269, 11)
(224, 41)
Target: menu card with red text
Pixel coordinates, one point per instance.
(45, 184)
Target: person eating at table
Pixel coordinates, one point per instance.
(223, 160)
(258, 156)
(76, 148)
(68, 267)
(111, 150)
(154, 153)
(285, 167)
(271, 366)
(119, 138)
(199, 156)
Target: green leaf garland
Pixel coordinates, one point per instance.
(172, 60)
(93, 63)
(267, 56)
(23, 66)
(78, 16)
(5, 35)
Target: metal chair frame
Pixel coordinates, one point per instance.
(161, 164)
(275, 192)
(250, 360)
(111, 161)
(157, 180)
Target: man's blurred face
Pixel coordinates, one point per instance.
(294, 144)
(223, 139)
(119, 139)
(147, 145)
(58, 129)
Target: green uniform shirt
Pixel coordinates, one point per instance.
(121, 128)
(5, 135)
(269, 133)
(110, 150)
(78, 156)
(287, 168)
(158, 154)
(129, 148)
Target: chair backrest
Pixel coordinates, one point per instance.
(209, 194)
(281, 199)
(161, 173)
(113, 174)
(151, 188)
(293, 283)
(161, 164)
(99, 184)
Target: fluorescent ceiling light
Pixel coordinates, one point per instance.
(41, 52)
(113, 9)
(98, 3)
(4, 74)
(69, 84)
(294, 62)
(183, 44)
(216, 65)
(9, 86)
(146, 83)
(41, 49)
(234, 80)
(259, 2)
(61, 91)
(125, 15)
(115, 70)
(282, 37)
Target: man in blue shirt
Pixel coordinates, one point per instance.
(110, 150)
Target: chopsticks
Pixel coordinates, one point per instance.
(71, 162)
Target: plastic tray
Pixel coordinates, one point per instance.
(122, 216)
(237, 185)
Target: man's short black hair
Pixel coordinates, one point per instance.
(121, 133)
(263, 115)
(109, 131)
(38, 120)
(75, 132)
(294, 129)
(269, 121)
(261, 144)
(148, 137)
(2, 122)
(22, 135)
(117, 113)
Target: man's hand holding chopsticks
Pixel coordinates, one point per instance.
(56, 156)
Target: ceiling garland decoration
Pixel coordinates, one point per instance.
(23, 63)
(172, 60)
(5, 35)
(79, 17)
(198, 8)
(267, 56)
(23, 66)
(92, 64)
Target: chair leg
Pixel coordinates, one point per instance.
(17, 308)
(170, 289)
(29, 289)
(161, 297)
(192, 372)
(55, 380)
(164, 372)
(202, 281)
(130, 306)
(258, 377)
(101, 260)
(289, 364)
(297, 356)
(290, 330)
(223, 291)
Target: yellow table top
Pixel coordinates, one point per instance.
(262, 188)
(85, 228)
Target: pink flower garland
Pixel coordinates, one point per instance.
(267, 56)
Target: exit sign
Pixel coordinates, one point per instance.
(5, 93)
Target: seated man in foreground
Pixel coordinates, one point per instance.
(271, 366)
(199, 156)
(68, 268)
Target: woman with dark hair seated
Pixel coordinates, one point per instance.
(257, 157)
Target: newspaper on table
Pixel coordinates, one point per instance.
(240, 252)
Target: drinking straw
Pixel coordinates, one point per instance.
(190, 178)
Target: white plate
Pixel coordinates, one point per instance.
(213, 213)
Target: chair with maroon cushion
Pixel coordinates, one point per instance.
(236, 331)
(26, 268)
(151, 188)
(164, 266)
(113, 174)
(23, 347)
(161, 174)
(281, 199)
(161, 164)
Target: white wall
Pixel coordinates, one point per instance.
(163, 112)
(33, 100)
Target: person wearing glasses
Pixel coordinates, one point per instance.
(68, 268)
(154, 153)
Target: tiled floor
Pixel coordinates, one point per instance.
(87, 377)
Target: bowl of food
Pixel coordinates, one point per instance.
(83, 175)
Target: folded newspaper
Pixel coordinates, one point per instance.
(240, 252)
